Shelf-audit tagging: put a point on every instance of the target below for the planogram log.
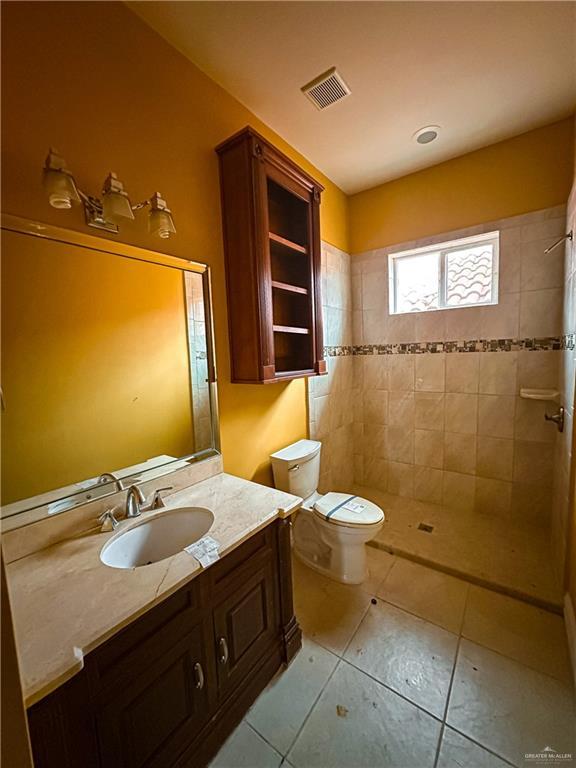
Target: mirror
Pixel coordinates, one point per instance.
(107, 366)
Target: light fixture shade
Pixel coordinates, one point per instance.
(59, 183)
(60, 189)
(160, 223)
(115, 202)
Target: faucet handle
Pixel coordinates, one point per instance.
(157, 499)
(108, 521)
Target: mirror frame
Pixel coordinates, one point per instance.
(41, 502)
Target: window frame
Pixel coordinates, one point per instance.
(443, 250)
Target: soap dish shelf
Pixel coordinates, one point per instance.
(550, 395)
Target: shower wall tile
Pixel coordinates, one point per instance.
(530, 424)
(401, 479)
(430, 326)
(401, 410)
(496, 415)
(462, 372)
(541, 313)
(538, 272)
(456, 431)
(430, 373)
(461, 413)
(494, 457)
(533, 463)
(538, 370)
(429, 448)
(333, 399)
(460, 453)
(492, 497)
(502, 321)
(401, 373)
(429, 410)
(458, 491)
(498, 373)
(449, 427)
(428, 484)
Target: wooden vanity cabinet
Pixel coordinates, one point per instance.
(168, 689)
(271, 223)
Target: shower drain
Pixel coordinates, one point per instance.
(425, 527)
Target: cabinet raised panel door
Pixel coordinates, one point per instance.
(245, 624)
(147, 724)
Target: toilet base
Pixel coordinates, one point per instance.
(332, 550)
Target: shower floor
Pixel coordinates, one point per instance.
(492, 552)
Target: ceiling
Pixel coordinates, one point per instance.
(483, 71)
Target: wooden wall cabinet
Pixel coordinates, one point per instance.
(166, 691)
(270, 215)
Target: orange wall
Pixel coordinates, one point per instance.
(95, 81)
(515, 176)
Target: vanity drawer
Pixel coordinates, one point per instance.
(238, 566)
(146, 639)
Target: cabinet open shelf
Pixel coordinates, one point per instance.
(287, 243)
(290, 329)
(289, 288)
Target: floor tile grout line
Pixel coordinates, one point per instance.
(257, 732)
(567, 684)
(469, 639)
(452, 675)
(416, 615)
(479, 744)
(313, 707)
(393, 690)
(440, 626)
(439, 745)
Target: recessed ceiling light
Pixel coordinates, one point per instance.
(427, 134)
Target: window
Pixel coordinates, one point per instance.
(460, 273)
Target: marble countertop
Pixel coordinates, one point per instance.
(65, 601)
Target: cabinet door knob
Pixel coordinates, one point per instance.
(199, 675)
(223, 648)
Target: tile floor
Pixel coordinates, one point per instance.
(492, 549)
(413, 669)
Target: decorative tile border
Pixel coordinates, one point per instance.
(541, 344)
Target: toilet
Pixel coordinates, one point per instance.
(331, 530)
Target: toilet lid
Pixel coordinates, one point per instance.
(347, 509)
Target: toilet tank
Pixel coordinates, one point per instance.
(297, 468)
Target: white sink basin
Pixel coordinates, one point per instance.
(156, 538)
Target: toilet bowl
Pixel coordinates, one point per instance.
(331, 530)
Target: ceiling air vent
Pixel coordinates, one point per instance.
(326, 89)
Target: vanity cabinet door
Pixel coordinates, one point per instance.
(154, 717)
(246, 625)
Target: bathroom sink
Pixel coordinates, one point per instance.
(157, 537)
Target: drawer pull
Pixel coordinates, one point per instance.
(199, 675)
(223, 648)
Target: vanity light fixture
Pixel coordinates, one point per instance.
(111, 209)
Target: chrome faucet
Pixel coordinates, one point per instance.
(134, 499)
(106, 476)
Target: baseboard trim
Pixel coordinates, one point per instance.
(570, 621)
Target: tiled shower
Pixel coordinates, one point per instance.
(422, 411)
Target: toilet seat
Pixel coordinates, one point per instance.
(347, 509)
